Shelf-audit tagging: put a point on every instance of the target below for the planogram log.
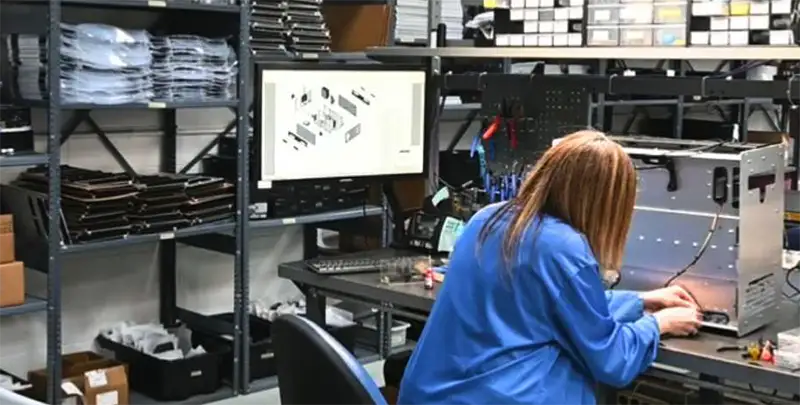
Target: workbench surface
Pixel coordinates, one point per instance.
(697, 354)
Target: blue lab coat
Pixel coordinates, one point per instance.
(542, 332)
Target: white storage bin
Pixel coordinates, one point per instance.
(672, 13)
(636, 13)
(602, 2)
(369, 334)
(602, 36)
(603, 15)
(670, 35)
(636, 36)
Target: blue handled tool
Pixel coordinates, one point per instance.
(476, 148)
(489, 187)
(514, 185)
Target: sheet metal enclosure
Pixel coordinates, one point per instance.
(740, 272)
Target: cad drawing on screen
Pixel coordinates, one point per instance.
(324, 113)
(341, 123)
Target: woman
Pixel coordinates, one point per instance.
(522, 317)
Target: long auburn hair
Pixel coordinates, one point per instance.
(586, 180)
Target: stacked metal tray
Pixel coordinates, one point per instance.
(99, 205)
(268, 31)
(308, 32)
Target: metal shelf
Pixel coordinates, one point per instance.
(21, 160)
(339, 215)
(653, 53)
(645, 85)
(32, 304)
(221, 227)
(44, 17)
(158, 4)
(153, 105)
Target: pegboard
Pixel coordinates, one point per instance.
(547, 111)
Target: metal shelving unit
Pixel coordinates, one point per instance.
(25, 16)
(230, 237)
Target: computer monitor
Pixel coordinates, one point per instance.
(318, 121)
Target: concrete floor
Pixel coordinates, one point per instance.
(272, 397)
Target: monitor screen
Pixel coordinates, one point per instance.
(341, 123)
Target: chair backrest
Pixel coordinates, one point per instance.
(12, 398)
(313, 368)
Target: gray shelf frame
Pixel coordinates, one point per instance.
(232, 237)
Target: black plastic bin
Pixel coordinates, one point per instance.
(262, 357)
(346, 335)
(170, 380)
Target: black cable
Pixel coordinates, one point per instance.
(774, 393)
(791, 285)
(700, 252)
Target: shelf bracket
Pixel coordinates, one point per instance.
(84, 116)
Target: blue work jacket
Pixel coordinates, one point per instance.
(540, 331)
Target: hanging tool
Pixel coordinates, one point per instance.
(477, 149)
(493, 127)
(512, 115)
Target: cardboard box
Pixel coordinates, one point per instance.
(7, 239)
(12, 284)
(88, 379)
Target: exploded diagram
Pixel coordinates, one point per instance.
(323, 112)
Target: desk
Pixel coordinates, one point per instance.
(697, 355)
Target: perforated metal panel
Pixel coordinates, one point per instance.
(548, 109)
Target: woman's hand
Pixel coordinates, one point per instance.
(679, 321)
(669, 297)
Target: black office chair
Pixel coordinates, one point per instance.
(315, 369)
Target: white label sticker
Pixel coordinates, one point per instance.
(634, 34)
(600, 35)
(166, 235)
(71, 389)
(602, 15)
(96, 378)
(267, 355)
(195, 373)
(289, 221)
(451, 230)
(107, 398)
(440, 196)
(156, 105)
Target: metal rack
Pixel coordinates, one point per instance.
(711, 88)
(680, 90)
(27, 16)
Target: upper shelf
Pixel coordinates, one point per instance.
(141, 4)
(153, 105)
(654, 53)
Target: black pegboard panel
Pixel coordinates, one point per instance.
(548, 111)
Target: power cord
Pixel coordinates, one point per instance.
(792, 285)
(700, 252)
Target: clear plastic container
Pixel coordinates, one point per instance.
(636, 13)
(602, 2)
(670, 13)
(636, 36)
(602, 36)
(670, 35)
(603, 15)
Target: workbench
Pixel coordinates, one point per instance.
(694, 360)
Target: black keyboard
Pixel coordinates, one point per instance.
(345, 266)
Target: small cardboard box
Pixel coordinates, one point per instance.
(6, 239)
(88, 380)
(12, 284)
